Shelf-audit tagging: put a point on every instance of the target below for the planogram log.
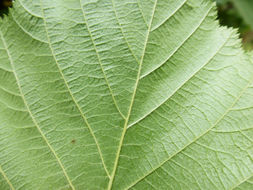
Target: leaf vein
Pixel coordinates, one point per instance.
(247, 178)
(198, 137)
(132, 102)
(139, 7)
(123, 34)
(25, 31)
(180, 45)
(6, 178)
(33, 118)
(69, 91)
(100, 62)
(175, 11)
(180, 86)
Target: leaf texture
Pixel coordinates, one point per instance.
(114, 94)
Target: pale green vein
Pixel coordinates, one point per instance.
(100, 62)
(189, 171)
(32, 117)
(5, 69)
(6, 178)
(180, 45)
(198, 137)
(139, 6)
(11, 107)
(202, 167)
(241, 182)
(181, 85)
(123, 34)
(247, 178)
(74, 100)
(172, 14)
(132, 101)
(25, 31)
(9, 92)
(29, 11)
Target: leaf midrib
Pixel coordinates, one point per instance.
(132, 100)
(181, 44)
(155, 108)
(198, 137)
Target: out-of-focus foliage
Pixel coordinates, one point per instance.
(245, 8)
(4, 7)
(238, 14)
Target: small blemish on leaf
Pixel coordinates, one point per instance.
(73, 141)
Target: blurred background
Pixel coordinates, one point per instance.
(238, 14)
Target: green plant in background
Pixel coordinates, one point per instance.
(114, 94)
(238, 14)
(4, 7)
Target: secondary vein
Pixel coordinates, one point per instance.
(74, 100)
(6, 178)
(201, 135)
(132, 101)
(32, 117)
(100, 62)
(121, 29)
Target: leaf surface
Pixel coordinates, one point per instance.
(116, 94)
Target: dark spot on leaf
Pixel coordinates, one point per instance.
(73, 141)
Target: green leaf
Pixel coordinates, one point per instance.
(114, 94)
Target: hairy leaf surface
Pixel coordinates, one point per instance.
(123, 94)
